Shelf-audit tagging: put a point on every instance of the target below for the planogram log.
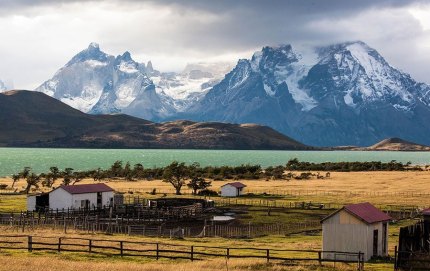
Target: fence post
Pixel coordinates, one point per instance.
(90, 243)
(30, 243)
(157, 252)
(59, 244)
(319, 257)
(228, 253)
(192, 253)
(268, 254)
(395, 258)
(121, 248)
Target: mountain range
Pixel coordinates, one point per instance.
(34, 119)
(342, 94)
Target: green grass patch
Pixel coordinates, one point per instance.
(13, 203)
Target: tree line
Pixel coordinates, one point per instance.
(177, 174)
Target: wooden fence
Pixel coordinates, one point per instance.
(124, 226)
(170, 251)
(293, 193)
(413, 252)
(226, 231)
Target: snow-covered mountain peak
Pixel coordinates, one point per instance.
(363, 76)
(93, 45)
(92, 54)
(126, 56)
(126, 64)
(270, 57)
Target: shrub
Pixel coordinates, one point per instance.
(207, 192)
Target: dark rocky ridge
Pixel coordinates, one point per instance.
(33, 119)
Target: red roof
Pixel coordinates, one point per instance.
(426, 211)
(86, 188)
(365, 212)
(236, 184)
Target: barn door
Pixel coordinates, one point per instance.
(375, 243)
(384, 239)
(99, 200)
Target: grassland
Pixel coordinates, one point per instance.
(71, 261)
(380, 188)
(410, 188)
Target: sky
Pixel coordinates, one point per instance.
(39, 36)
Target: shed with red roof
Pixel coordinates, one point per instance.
(235, 189)
(74, 197)
(356, 228)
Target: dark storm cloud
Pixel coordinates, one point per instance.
(179, 31)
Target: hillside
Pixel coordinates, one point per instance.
(34, 119)
(389, 144)
(397, 144)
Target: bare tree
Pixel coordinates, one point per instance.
(32, 180)
(15, 178)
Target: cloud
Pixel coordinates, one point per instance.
(42, 36)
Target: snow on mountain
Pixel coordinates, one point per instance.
(363, 76)
(343, 94)
(81, 81)
(95, 82)
(188, 86)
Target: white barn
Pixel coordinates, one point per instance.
(356, 228)
(235, 189)
(73, 197)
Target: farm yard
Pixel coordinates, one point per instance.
(289, 211)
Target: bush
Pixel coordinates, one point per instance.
(207, 192)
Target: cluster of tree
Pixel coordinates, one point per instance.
(178, 173)
(295, 164)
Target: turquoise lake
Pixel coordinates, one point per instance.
(12, 160)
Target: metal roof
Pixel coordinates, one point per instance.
(365, 212)
(235, 184)
(86, 188)
(426, 211)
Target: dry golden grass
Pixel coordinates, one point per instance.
(19, 260)
(381, 188)
(69, 263)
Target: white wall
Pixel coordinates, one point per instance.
(344, 232)
(92, 197)
(228, 191)
(345, 238)
(61, 199)
(31, 203)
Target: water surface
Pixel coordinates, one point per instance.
(12, 160)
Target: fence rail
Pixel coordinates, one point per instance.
(293, 192)
(123, 248)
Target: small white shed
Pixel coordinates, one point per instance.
(355, 228)
(73, 197)
(235, 189)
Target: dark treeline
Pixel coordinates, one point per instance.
(295, 164)
(177, 173)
